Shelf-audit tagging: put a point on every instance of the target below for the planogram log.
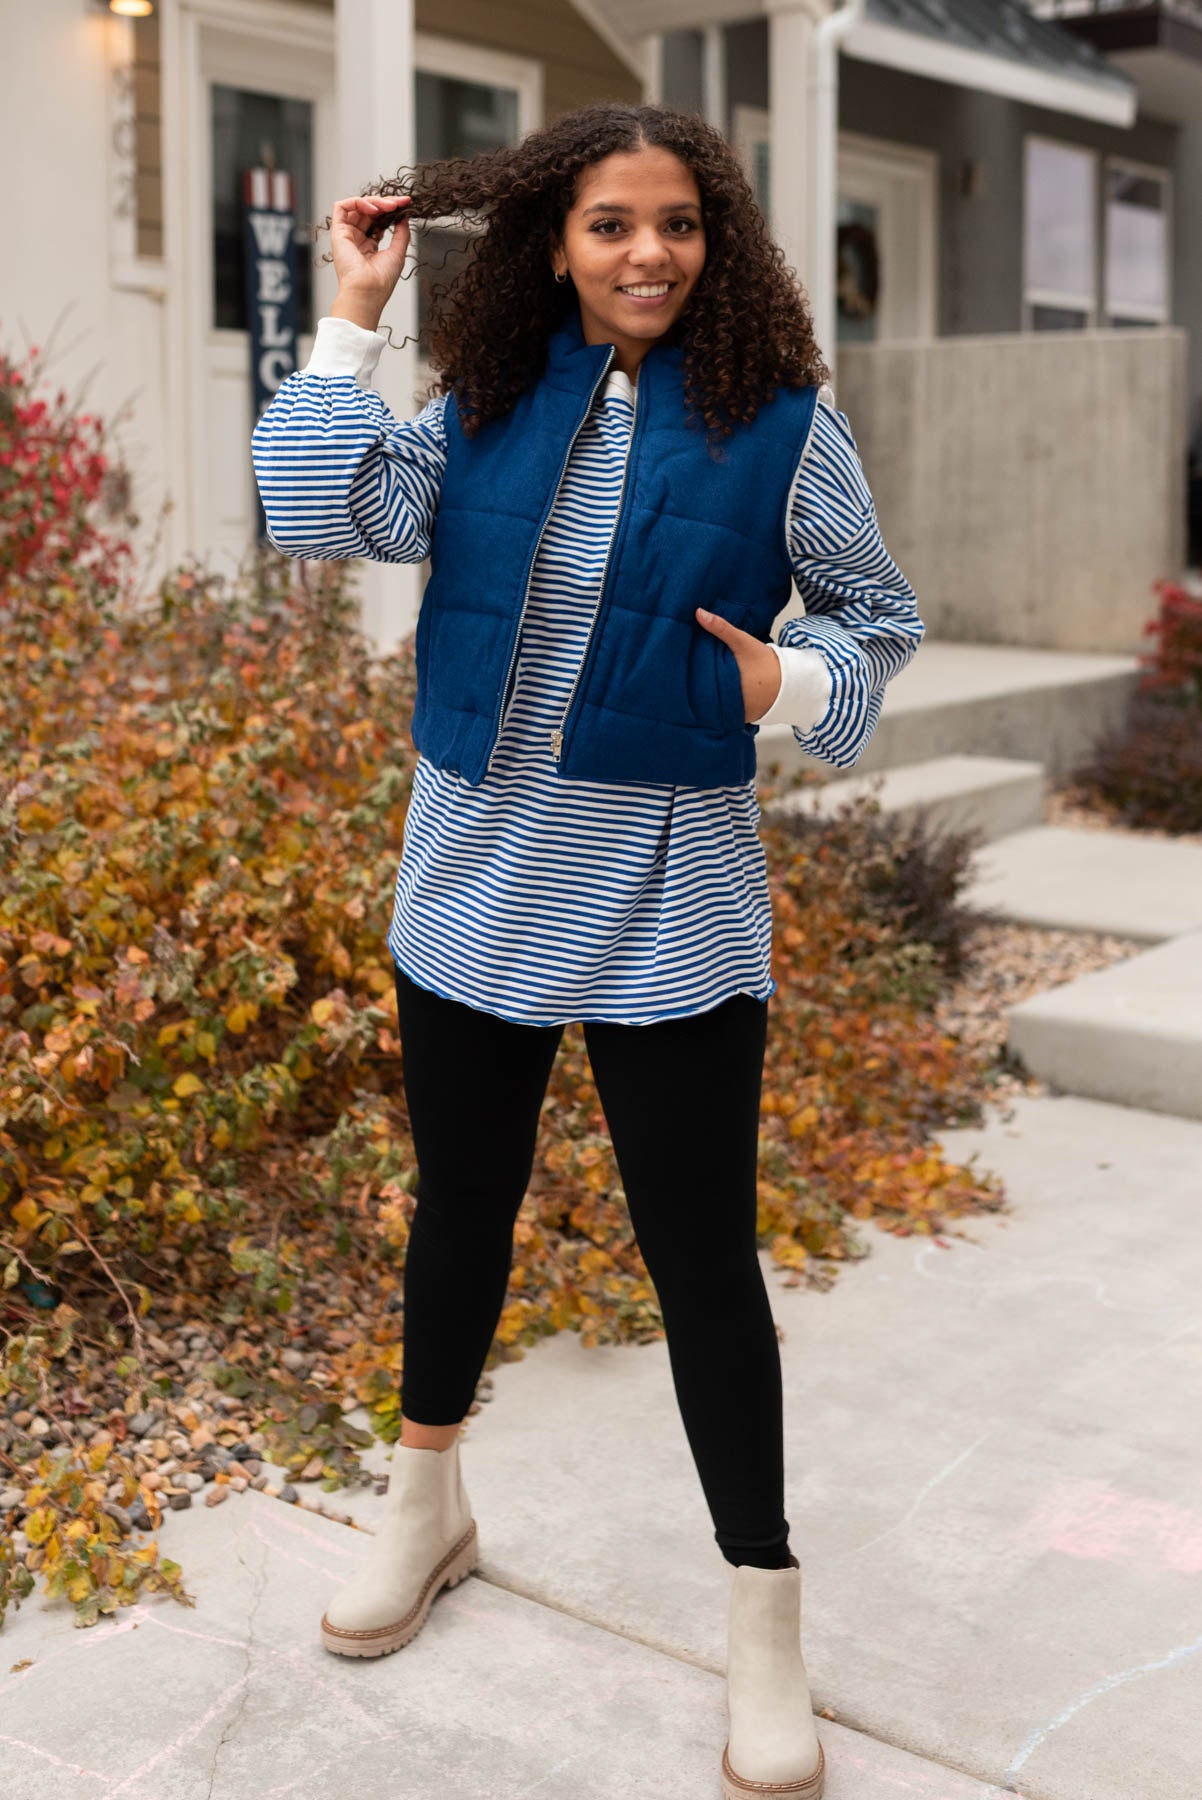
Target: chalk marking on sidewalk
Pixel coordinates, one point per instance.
(1041, 1733)
(220, 1705)
(942, 1475)
(59, 1763)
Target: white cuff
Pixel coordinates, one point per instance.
(805, 688)
(340, 347)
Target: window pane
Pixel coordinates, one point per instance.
(858, 272)
(458, 118)
(683, 70)
(761, 175)
(1060, 239)
(1136, 243)
(1057, 318)
(249, 131)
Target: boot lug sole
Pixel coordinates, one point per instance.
(458, 1563)
(735, 1787)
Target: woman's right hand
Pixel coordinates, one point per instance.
(367, 270)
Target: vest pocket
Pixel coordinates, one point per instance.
(731, 708)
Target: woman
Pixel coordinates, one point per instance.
(631, 417)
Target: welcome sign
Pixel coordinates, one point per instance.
(270, 280)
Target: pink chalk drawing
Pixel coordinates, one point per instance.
(1094, 1520)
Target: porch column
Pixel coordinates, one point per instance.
(375, 125)
(803, 64)
(792, 172)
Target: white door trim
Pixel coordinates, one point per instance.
(919, 169)
(224, 39)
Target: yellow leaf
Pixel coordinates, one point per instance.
(186, 1084)
(238, 1017)
(169, 1033)
(40, 1524)
(206, 1043)
(321, 1012)
(25, 1212)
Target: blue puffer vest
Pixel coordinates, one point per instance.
(656, 697)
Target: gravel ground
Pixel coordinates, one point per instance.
(1010, 963)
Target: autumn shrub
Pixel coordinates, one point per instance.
(202, 1121)
(910, 873)
(1149, 772)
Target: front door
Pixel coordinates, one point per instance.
(260, 99)
(885, 241)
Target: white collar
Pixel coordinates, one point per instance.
(617, 382)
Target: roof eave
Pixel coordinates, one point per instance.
(1107, 102)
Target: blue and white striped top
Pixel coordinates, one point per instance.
(545, 900)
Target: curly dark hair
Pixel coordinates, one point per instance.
(745, 331)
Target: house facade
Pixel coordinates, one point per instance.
(1013, 294)
(145, 125)
(996, 214)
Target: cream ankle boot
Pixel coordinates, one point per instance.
(773, 1747)
(426, 1541)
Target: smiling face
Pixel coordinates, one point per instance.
(634, 246)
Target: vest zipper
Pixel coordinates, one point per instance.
(557, 735)
(534, 556)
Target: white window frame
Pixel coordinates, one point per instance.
(458, 61)
(1036, 296)
(491, 68)
(1141, 314)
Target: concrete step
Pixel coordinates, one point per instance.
(1049, 706)
(1131, 1034)
(990, 794)
(1113, 881)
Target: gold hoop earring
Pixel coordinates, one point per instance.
(562, 277)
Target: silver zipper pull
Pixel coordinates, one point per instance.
(556, 745)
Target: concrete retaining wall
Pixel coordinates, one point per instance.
(1031, 487)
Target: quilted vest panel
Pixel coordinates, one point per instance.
(656, 697)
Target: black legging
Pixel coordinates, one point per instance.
(681, 1099)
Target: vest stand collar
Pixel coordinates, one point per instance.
(579, 363)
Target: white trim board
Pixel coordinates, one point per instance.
(918, 54)
(630, 54)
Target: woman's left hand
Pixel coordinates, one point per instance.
(759, 665)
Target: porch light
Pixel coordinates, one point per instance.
(132, 9)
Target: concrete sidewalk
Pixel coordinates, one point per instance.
(992, 1487)
(497, 1698)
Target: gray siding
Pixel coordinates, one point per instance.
(980, 240)
(578, 65)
